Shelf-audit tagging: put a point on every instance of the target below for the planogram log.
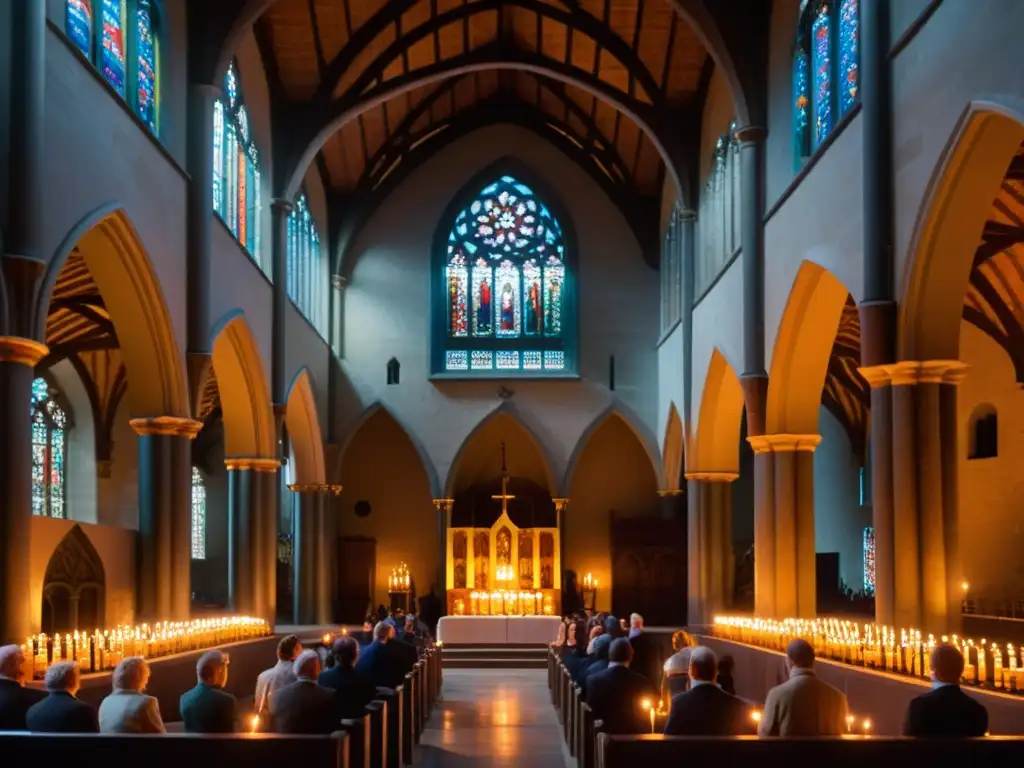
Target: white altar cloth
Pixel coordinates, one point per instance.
(498, 630)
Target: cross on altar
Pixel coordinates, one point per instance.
(505, 496)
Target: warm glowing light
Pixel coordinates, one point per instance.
(867, 725)
(399, 580)
(756, 715)
(504, 573)
(326, 638)
(849, 722)
(964, 586)
(646, 704)
(254, 723)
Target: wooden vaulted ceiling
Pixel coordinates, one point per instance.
(340, 53)
(994, 302)
(846, 394)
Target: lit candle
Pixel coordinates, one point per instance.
(254, 724)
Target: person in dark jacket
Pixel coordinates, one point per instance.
(15, 698)
(353, 689)
(599, 662)
(577, 644)
(208, 708)
(726, 665)
(383, 661)
(617, 695)
(645, 651)
(947, 711)
(705, 709)
(60, 711)
(305, 707)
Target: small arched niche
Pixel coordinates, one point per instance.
(74, 586)
(983, 433)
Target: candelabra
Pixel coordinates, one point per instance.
(589, 593)
(399, 585)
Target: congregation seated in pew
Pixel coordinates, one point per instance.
(616, 693)
(279, 675)
(597, 662)
(61, 711)
(208, 708)
(946, 711)
(386, 660)
(15, 698)
(706, 709)
(304, 706)
(353, 688)
(127, 709)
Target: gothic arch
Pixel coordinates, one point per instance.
(505, 410)
(373, 409)
(643, 435)
(803, 346)
(949, 227)
(120, 267)
(672, 455)
(244, 393)
(74, 579)
(304, 436)
(717, 442)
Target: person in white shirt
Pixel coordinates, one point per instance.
(280, 674)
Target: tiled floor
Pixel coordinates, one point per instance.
(493, 718)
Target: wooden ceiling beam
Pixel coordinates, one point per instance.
(639, 22)
(1004, 315)
(318, 44)
(1016, 170)
(996, 237)
(983, 323)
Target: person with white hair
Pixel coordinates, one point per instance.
(383, 661)
(676, 671)
(127, 709)
(15, 698)
(646, 652)
(208, 708)
(61, 711)
(705, 709)
(304, 707)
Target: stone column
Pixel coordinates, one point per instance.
(326, 546)
(252, 536)
(312, 560)
(164, 559)
(687, 223)
(792, 462)
(18, 358)
(882, 513)
(444, 520)
(279, 210)
(764, 527)
(672, 503)
(561, 508)
(710, 559)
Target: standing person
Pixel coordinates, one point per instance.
(208, 708)
(353, 689)
(946, 711)
(803, 705)
(60, 711)
(128, 709)
(280, 674)
(705, 709)
(15, 698)
(616, 694)
(303, 707)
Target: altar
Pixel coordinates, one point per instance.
(498, 630)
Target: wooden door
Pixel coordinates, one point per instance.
(357, 568)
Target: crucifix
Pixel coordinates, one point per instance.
(504, 496)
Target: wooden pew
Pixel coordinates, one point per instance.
(173, 750)
(396, 706)
(845, 752)
(378, 713)
(359, 734)
(422, 703)
(409, 695)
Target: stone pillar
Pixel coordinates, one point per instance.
(791, 465)
(252, 537)
(764, 528)
(164, 591)
(326, 541)
(687, 225)
(444, 520)
(279, 210)
(923, 556)
(752, 183)
(312, 538)
(561, 508)
(882, 512)
(710, 558)
(18, 358)
(199, 153)
(672, 503)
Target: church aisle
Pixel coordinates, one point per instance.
(493, 718)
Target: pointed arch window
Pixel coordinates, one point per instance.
(198, 515)
(307, 276)
(826, 70)
(122, 40)
(49, 448)
(236, 166)
(718, 225)
(503, 286)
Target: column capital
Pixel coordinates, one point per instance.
(333, 488)
(282, 204)
(255, 463)
(912, 372)
(443, 504)
(943, 372)
(751, 134)
(177, 426)
(21, 351)
(560, 504)
(876, 375)
(784, 443)
(667, 492)
(712, 477)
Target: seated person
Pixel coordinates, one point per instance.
(128, 709)
(278, 675)
(576, 649)
(600, 660)
(646, 659)
(677, 671)
(60, 711)
(208, 708)
(353, 689)
(946, 711)
(705, 709)
(581, 669)
(616, 694)
(15, 698)
(726, 665)
(383, 661)
(304, 707)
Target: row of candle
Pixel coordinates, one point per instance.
(98, 651)
(507, 603)
(399, 580)
(906, 652)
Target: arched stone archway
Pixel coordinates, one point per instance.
(672, 453)
(74, 586)
(716, 444)
(304, 436)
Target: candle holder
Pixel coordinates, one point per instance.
(399, 586)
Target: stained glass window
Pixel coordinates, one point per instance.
(112, 56)
(146, 79)
(236, 167)
(49, 444)
(307, 276)
(198, 516)
(826, 70)
(869, 560)
(504, 284)
(78, 25)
